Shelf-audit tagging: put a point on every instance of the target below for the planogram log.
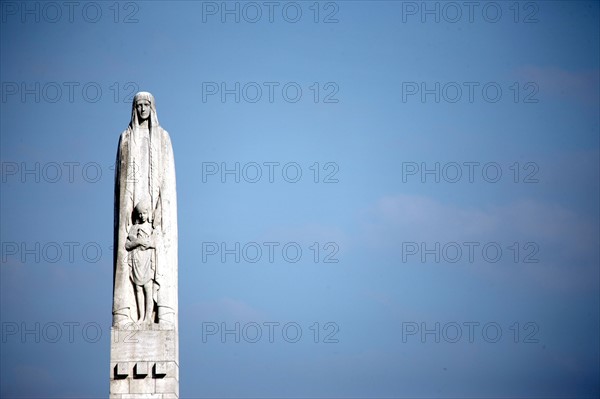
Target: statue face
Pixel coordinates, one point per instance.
(143, 215)
(143, 109)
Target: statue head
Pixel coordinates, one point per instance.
(143, 211)
(143, 108)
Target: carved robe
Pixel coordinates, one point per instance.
(141, 261)
(145, 168)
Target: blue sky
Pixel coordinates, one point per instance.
(366, 132)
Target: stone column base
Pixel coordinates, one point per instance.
(144, 362)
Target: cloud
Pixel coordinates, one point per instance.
(307, 232)
(405, 217)
(567, 242)
(421, 217)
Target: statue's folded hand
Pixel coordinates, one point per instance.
(146, 243)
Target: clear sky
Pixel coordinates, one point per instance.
(449, 160)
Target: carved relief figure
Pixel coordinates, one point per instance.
(140, 244)
(145, 237)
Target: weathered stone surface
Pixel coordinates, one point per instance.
(167, 385)
(142, 385)
(173, 370)
(121, 370)
(140, 370)
(160, 369)
(119, 386)
(144, 345)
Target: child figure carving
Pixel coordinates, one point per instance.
(141, 247)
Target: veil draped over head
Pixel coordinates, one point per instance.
(145, 173)
(137, 169)
(143, 95)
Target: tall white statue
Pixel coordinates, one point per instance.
(144, 345)
(145, 237)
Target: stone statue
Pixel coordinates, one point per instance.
(145, 236)
(144, 345)
(140, 243)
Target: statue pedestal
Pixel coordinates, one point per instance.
(144, 362)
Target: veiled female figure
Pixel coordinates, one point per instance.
(145, 171)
